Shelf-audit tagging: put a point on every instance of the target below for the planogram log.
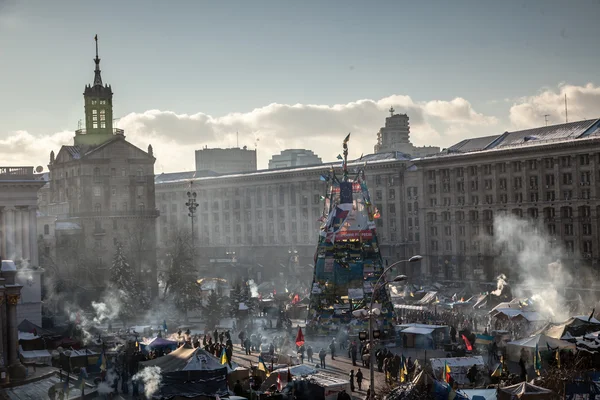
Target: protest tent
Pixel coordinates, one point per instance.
(525, 391)
(575, 326)
(514, 348)
(480, 394)
(459, 366)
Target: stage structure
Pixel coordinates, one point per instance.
(347, 260)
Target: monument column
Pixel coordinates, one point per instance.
(33, 247)
(16, 370)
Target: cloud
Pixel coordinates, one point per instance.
(583, 103)
(273, 127)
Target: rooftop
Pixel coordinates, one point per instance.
(178, 177)
(561, 133)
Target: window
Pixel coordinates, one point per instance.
(489, 199)
(448, 245)
(378, 195)
(141, 207)
(551, 229)
(102, 102)
(517, 166)
(46, 229)
(97, 191)
(125, 206)
(97, 207)
(584, 159)
(568, 229)
(447, 201)
(115, 225)
(94, 102)
(567, 194)
(434, 245)
(392, 194)
(550, 195)
(392, 208)
(549, 163)
(140, 190)
(102, 115)
(587, 229)
(409, 207)
(432, 188)
(565, 161)
(433, 231)
(113, 207)
(448, 230)
(474, 185)
(461, 230)
(533, 164)
(123, 172)
(567, 179)
(433, 202)
(587, 246)
(474, 200)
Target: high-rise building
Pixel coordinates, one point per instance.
(226, 161)
(294, 158)
(101, 190)
(395, 136)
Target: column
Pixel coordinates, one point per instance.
(9, 227)
(15, 368)
(25, 234)
(2, 234)
(33, 246)
(18, 235)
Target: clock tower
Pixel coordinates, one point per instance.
(98, 110)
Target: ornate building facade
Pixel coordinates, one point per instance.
(100, 190)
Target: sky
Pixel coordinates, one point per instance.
(190, 74)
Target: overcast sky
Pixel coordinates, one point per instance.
(294, 74)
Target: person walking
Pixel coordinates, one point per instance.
(352, 380)
(309, 354)
(359, 379)
(322, 355)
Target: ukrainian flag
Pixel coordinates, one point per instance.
(223, 357)
(262, 366)
(484, 339)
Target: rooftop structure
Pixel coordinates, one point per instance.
(294, 158)
(225, 161)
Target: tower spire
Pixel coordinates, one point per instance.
(97, 77)
(391, 110)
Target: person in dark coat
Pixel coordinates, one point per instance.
(359, 379)
(343, 396)
(352, 380)
(309, 354)
(322, 355)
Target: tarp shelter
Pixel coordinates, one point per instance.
(576, 326)
(427, 299)
(421, 336)
(174, 361)
(296, 370)
(320, 386)
(514, 348)
(30, 327)
(159, 343)
(525, 391)
(481, 394)
(459, 366)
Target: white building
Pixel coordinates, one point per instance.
(395, 136)
(18, 236)
(294, 158)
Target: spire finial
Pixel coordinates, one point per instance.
(97, 76)
(391, 110)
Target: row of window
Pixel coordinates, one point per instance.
(475, 246)
(516, 166)
(503, 198)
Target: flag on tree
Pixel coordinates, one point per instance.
(299, 338)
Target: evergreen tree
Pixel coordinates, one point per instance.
(235, 298)
(122, 278)
(212, 310)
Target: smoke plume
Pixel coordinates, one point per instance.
(500, 283)
(537, 268)
(253, 288)
(150, 378)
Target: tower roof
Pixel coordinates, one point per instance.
(98, 89)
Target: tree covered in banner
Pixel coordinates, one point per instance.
(235, 298)
(130, 291)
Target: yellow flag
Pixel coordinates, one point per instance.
(558, 358)
(223, 357)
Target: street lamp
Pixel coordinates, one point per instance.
(399, 278)
(192, 205)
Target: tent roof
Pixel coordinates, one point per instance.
(158, 341)
(298, 370)
(418, 331)
(174, 361)
(437, 363)
(487, 394)
(28, 326)
(542, 341)
(524, 390)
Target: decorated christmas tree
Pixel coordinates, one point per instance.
(347, 260)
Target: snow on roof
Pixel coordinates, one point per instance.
(418, 331)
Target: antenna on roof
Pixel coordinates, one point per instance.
(546, 118)
(566, 110)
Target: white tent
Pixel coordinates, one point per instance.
(514, 348)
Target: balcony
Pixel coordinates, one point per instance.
(108, 213)
(115, 131)
(16, 173)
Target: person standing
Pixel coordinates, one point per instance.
(332, 348)
(322, 355)
(309, 353)
(353, 351)
(352, 380)
(359, 379)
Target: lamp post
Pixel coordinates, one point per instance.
(399, 278)
(192, 205)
